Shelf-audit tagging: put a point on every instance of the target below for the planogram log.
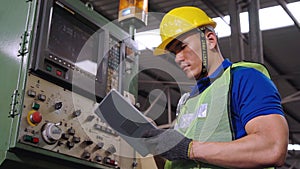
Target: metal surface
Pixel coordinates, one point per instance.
(237, 45)
(12, 67)
(255, 36)
(67, 126)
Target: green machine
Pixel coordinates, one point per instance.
(58, 59)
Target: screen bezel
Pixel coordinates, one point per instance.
(40, 55)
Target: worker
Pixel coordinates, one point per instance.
(232, 117)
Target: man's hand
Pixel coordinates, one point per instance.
(169, 144)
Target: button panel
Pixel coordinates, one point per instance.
(61, 121)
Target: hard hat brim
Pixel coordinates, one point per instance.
(161, 48)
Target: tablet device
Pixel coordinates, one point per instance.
(125, 119)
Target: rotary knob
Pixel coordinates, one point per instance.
(70, 144)
(51, 133)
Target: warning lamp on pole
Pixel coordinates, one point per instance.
(133, 13)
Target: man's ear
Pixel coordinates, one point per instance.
(211, 40)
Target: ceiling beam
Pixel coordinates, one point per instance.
(215, 10)
(282, 3)
(291, 98)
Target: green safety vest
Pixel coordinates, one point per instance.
(206, 117)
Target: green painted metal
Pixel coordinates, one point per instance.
(13, 18)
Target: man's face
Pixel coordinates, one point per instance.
(188, 51)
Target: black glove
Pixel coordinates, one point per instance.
(169, 144)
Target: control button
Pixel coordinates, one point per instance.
(100, 145)
(31, 93)
(35, 106)
(70, 144)
(51, 133)
(27, 138)
(97, 126)
(86, 155)
(109, 161)
(49, 68)
(58, 105)
(31, 139)
(76, 139)
(71, 131)
(65, 136)
(88, 142)
(98, 158)
(134, 164)
(90, 118)
(35, 140)
(59, 143)
(58, 72)
(76, 113)
(111, 149)
(41, 97)
(34, 118)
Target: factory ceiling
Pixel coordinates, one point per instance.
(280, 54)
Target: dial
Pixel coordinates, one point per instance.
(51, 133)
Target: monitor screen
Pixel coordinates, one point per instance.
(74, 38)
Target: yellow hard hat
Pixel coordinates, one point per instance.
(179, 21)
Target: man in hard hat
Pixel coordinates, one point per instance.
(232, 118)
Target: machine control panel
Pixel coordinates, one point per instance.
(113, 64)
(62, 121)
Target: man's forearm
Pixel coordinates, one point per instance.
(265, 145)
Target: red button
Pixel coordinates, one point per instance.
(36, 117)
(35, 140)
(58, 73)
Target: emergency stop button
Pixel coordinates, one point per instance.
(34, 117)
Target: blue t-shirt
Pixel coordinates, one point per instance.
(253, 94)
